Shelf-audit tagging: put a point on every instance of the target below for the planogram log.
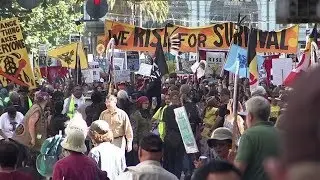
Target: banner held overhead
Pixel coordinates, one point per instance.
(186, 39)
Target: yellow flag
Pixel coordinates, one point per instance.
(67, 55)
(37, 73)
(14, 60)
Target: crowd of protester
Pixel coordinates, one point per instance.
(81, 132)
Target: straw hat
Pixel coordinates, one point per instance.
(77, 122)
(75, 141)
(100, 126)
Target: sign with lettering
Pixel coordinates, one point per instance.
(121, 75)
(185, 130)
(133, 60)
(218, 36)
(132, 38)
(14, 60)
(144, 69)
(185, 39)
(92, 74)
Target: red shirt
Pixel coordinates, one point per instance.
(15, 175)
(77, 166)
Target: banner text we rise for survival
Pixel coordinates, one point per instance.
(215, 36)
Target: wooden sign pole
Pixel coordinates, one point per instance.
(110, 56)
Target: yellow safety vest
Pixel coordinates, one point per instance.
(161, 126)
(71, 108)
(29, 102)
(275, 110)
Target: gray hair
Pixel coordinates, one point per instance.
(259, 91)
(122, 94)
(259, 107)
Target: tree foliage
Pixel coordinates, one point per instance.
(157, 10)
(51, 23)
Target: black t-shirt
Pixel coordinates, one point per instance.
(193, 115)
(173, 136)
(57, 124)
(223, 111)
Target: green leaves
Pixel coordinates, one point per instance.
(51, 23)
(157, 10)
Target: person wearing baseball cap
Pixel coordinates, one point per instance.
(150, 155)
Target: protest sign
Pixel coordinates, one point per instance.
(119, 60)
(14, 60)
(121, 75)
(214, 58)
(92, 74)
(103, 63)
(281, 68)
(118, 63)
(68, 55)
(133, 61)
(186, 39)
(144, 69)
(88, 75)
(185, 130)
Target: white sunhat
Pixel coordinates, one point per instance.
(75, 140)
(77, 122)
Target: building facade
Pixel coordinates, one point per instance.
(194, 13)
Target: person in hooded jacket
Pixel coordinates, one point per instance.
(141, 124)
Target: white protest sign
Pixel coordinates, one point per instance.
(118, 63)
(195, 66)
(122, 75)
(281, 68)
(144, 69)
(185, 130)
(215, 57)
(88, 75)
(92, 73)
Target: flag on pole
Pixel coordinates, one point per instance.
(239, 54)
(305, 60)
(68, 55)
(252, 59)
(160, 67)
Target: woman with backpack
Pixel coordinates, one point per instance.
(109, 157)
(75, 164)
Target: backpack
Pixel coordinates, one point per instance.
(49, 155)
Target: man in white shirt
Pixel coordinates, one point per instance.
(150, 155)
(76, 100)
(9, 121)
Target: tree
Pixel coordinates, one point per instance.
(50, 23)
(157, 10)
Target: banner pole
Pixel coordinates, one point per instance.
(236, 130)
(77, 65)
(111, 46)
